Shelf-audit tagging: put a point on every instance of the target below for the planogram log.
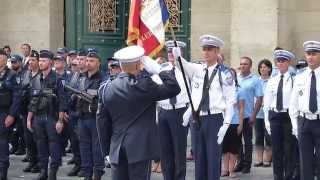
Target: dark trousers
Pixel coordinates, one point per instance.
(16, 133)
(173, 143)
(90, 150)
(48, 141)
(4, 138)
(246, 146)
(207, 150)
(134, 171)
(74, 138)
(263, 139)
(284, 150)
(309, 141)
(30, 142)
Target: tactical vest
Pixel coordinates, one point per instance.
(43, 91)
(5, 92)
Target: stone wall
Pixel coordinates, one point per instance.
(38, 22)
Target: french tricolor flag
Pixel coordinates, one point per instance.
(147, 24)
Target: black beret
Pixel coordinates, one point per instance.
(46, 54)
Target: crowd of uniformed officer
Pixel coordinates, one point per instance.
(142, 111)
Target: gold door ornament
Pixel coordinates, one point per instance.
(102, 15)
(174, 8)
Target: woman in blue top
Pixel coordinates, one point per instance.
(232, 140)
(263, 139)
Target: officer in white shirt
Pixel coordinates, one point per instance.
(173, 135)
(305, 110)
(216, 109)
(277, 119)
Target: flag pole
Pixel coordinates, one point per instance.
(184, 77)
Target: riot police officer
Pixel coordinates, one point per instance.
(92, 161)
(17, 140)
(29, 77)
(9, 105)
(45, 117)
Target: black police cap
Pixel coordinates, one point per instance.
(72, 52)
(46, 54)
(62, 50)
(82, 52)
(93, 55)
(58, 58)
(34, 54)
(15, 58)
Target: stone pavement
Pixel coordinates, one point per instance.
(15, 172)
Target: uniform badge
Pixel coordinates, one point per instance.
(300, 93)
(196, 85)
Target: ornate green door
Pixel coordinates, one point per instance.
(103, 24)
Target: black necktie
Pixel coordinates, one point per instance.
(205, 105)
(313, 107)
(173, 100)
(279, 94)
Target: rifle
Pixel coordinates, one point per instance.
(81, 94)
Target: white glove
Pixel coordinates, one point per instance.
(222, 132)
(176, 52)
(186, 117)
(295, 132)
(150, 65)
(267, 125)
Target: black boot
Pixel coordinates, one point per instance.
(28, 167)
(35, 168)
(53, 174)
(87, 178)
(26, 158)
(74, 171)
(43, 175)
(3, 175)
(20, 151)
(95, 177)
(71, 161)
(81, 173)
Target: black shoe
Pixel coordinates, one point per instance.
(238, 168)
(81, 173)
(43, 175)
(74, 171)
(245, 170)
(20, 151)
(96, 177)
(13, 150)
(71, 161)
(53, 174)
(26, 158)
(258, 164)
(108, 165)
(29, 167)
(35, 169)
(267, 164)
(68, 150)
